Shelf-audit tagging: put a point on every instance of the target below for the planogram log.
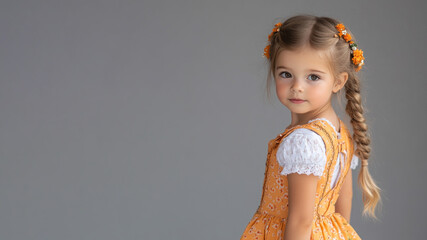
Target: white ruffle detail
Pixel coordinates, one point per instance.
(302, 152)
(337, 169)
(354, 161)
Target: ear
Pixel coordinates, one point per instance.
(340, 81)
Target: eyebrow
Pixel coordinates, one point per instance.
(311, 70)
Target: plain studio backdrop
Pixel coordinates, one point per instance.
(148, 119)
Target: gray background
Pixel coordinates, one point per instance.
(148, 120)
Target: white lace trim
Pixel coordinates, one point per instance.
(302, 152)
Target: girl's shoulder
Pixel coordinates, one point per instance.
(307, 143)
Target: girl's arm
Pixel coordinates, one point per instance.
(343, 204)
(302, 193)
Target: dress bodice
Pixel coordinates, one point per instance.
(269, 220)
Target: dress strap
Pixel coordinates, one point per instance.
(333, 147)
(341, 145)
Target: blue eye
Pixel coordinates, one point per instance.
(287, 75)
(316, 77)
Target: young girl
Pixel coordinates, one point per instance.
(307, 190)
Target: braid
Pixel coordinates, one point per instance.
(354, 108)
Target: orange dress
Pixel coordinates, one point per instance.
(269, 221)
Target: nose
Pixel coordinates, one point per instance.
(297, 86)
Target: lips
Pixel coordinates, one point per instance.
(296, 100)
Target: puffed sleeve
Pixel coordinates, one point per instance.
(303, 152)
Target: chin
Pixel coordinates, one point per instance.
(299, 112)
(297, 109)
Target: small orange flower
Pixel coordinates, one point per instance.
(340, 27)
(277, 26)
(275, 29)
(358, 57)
(267, 51)
(347, 37)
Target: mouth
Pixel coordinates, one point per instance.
(296, 100)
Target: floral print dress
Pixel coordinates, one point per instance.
(269, 220)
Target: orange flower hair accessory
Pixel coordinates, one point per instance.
(357, 54)
(267, 48)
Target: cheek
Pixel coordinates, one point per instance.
(319, 93)
(281, 88)
(282, 84)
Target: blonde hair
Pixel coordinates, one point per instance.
(318, 33)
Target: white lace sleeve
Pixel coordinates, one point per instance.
(354, 162)
(303, 152)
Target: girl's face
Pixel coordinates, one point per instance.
(304, 74)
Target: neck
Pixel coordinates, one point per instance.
(327, 112)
